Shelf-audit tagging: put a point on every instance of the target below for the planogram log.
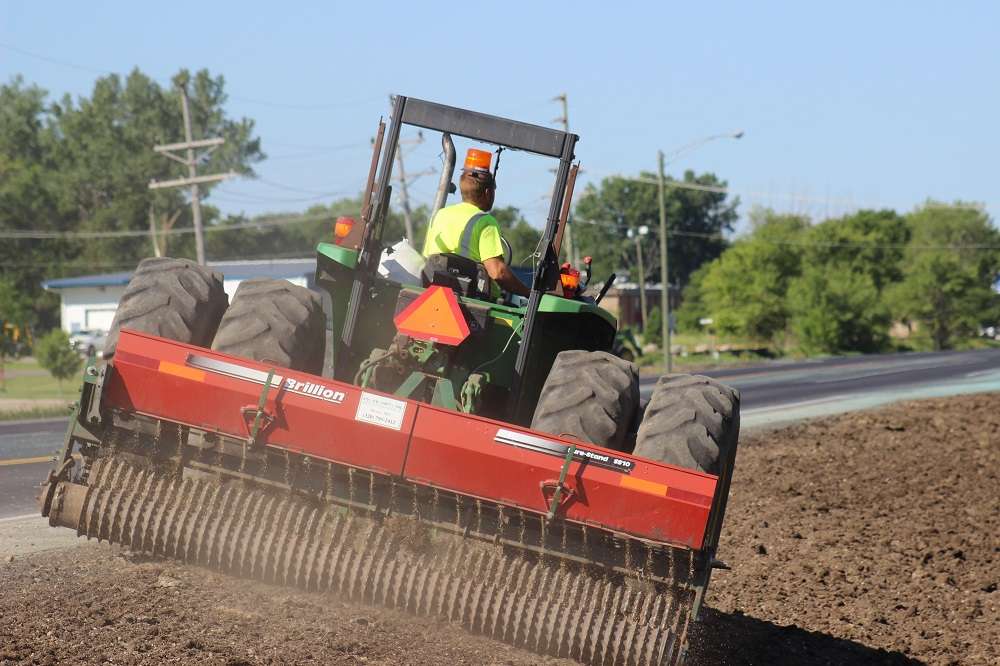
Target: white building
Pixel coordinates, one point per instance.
(89, 302)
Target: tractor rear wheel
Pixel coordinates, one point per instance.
(275, 321)
(691, 421)
(173, 298)
(590, 396)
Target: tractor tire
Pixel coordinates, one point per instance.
(690, 421)
(275, 321)
(176, 299)
(589, 396)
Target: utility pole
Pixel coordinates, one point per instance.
(405, 198)
(404, 192)
(193, 180)
(664, 270)
(568, 234)
(664, 266)
(637, 235)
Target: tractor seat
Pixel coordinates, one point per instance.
(465, 276)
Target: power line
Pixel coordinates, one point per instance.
(718, 189)
(850, 244)
(291, 188)
(129, 233)
(132, 264)
(305, 107)
(238, 98)
(319, 152)
(54, 61)
(241, 197)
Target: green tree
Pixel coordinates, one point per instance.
(523, 237)
(84, 164)
(835, 308)
(837, 304)
(867, 242)
(29, 198)
(693, 308)
(696, 219)
(744, 290)
(949, 271)
(15, 317)
(55, 354)
(653, 335)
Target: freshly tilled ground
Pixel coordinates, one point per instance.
(867, 538)
(861, 539)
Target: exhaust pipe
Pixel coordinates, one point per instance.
(445, 186)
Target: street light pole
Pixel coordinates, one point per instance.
(668, 361)
(568, 232)
(637, 234)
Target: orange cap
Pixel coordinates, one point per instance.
(478, 160)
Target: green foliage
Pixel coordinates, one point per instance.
(744, 290)
(867, 242)
(837, 304)
(523, 237)
(605, 213)
(693, 307)
(653, 335)
(84, 164)
(15, 308)
(836, 286)
(55, 354)
(836, 309)
(948, 291)
(15, 317)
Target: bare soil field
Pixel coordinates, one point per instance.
(870, 538)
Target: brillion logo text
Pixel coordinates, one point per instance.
(314, 390)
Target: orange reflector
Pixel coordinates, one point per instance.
(570, 278)
(478, 160)
(343, 227)
(434, 316)
(169, 368)
(643, 486)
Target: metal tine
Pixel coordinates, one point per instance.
(537, 601)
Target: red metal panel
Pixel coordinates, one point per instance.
(500, 462)
(334, 421)
(208, 390)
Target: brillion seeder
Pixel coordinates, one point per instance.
(471, 458)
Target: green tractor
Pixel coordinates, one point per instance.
(506, 363)
(517, 527)
(545, 362)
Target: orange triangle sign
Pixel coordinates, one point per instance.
(434, 316)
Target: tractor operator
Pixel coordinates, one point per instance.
(468, 229)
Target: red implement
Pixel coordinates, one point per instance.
(470, 455)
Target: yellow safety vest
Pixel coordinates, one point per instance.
(464, 229)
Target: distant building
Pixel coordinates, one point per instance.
(88, 302)
(623, 300)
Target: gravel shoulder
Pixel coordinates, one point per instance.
(868, 538)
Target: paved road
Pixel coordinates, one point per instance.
(25, 449)
(781, 392)
(19, 487)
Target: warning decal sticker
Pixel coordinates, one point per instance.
(381, 411)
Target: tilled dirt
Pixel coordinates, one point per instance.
(861, 539)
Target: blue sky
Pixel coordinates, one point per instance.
(845, 105)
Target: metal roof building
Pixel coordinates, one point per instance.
(88, 302)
